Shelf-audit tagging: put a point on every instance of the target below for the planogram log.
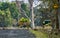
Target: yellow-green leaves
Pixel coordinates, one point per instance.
(2, 12)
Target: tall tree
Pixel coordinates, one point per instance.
(19, 7)
(22, 12)
(31, 13)
(54, 6)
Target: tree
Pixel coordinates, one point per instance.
(53, 8)
(5, 18)
(8, 18)
(2, 18)
(14, 11)
(8, 13)
(31, 14)
(25, 8)
(47, 11)
(22, 12)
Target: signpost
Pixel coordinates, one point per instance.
(56, 7)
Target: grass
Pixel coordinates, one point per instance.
(39, 34)
(43, 34)
(54, 35)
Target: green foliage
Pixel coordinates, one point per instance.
(6, 15)
(14, 11)
(4, 5)
(25, 8)
(12, 8)
(24, 20)
(8, 19)
(5, 18)
(2, 12)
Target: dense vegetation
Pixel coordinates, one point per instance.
(8, 12)
(43, 15)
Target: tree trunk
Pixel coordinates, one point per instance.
(31, 14)
(19, 7)
(22, 12)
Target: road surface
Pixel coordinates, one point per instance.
(18, 33)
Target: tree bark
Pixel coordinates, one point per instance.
(31, 14)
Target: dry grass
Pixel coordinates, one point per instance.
(39, 34)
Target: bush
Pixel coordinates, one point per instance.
(24, 21)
